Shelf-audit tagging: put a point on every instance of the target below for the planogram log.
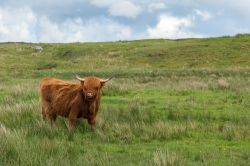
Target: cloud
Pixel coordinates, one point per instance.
(123, 8)
(16, 24)
(172, 27)
(156, 6)
(205, 15)
(23, 25)
(110, 20)
(102, 3)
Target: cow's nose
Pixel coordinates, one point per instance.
(90, 95)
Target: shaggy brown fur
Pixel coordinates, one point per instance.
(61, 98)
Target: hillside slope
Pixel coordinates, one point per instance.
(171, 102)
(224, 53)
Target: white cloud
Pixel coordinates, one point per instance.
(172, 27)
(124, 8)
(102, 3)
(24, 25)
(93, 20)
(156, 6)
(16, 24)
(205, 15)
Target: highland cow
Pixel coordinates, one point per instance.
(71, 100)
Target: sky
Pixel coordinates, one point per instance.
(63, 21)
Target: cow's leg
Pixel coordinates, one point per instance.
(72, 123)
(72, 120)
(50, 114)
(52, 117)
(43, 113)
(44, 106)
(91, 119)
(92, 122)
(47, 112)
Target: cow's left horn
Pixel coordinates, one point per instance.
(80, 79)
(105, 80)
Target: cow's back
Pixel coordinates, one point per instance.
(49, 87)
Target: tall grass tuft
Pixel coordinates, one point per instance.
(166, 157)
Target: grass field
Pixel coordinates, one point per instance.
(171, 102)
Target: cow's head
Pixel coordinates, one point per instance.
(91, 86)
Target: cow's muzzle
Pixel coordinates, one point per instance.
(90, 96)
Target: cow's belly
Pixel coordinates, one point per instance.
(62, 112)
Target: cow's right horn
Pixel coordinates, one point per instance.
(80, 79)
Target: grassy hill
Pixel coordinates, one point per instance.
(171, 102)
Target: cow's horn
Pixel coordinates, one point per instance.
(80, 79)
(105, 80)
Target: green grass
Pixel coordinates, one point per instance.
(171, 102)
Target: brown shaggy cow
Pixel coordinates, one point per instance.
(71, 100)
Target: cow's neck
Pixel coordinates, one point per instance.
(90, 106)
